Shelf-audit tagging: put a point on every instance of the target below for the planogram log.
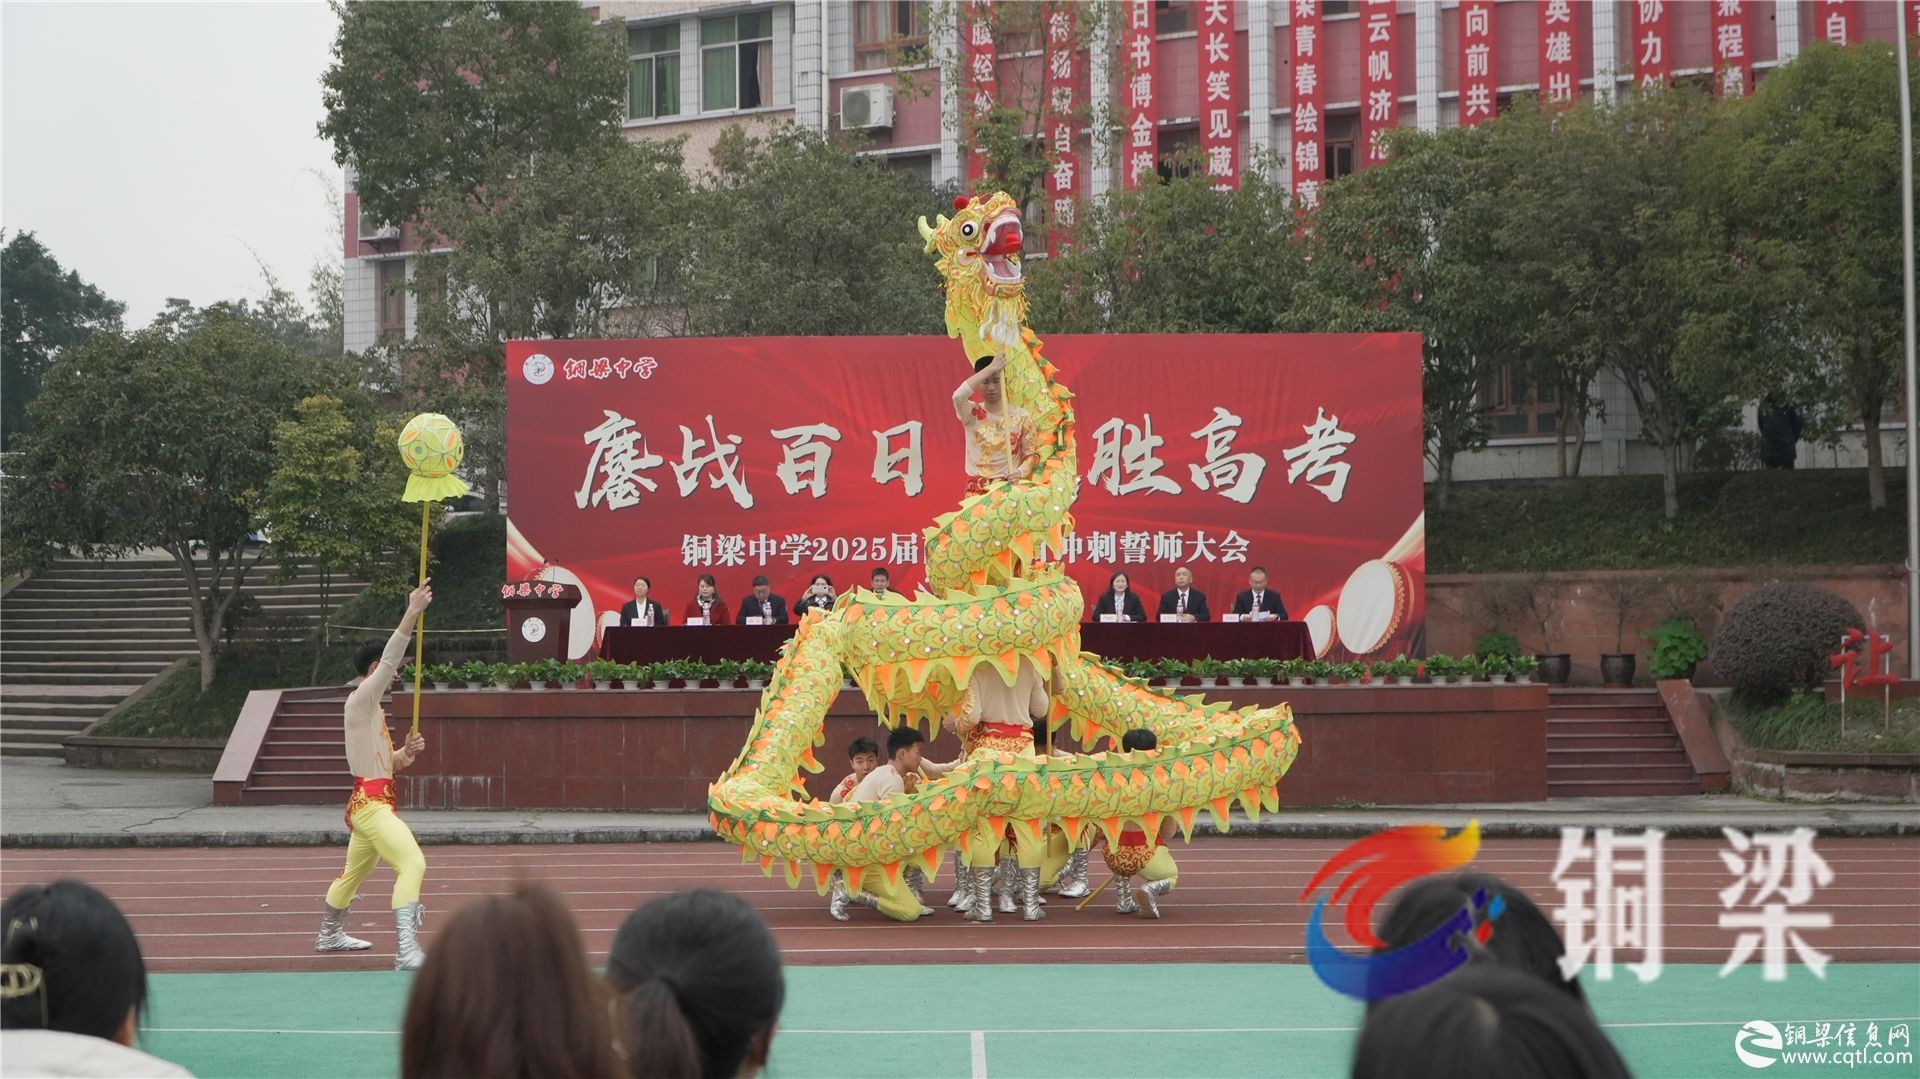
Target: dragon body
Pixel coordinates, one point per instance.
(993, 604)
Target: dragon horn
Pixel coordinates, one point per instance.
(926, 232)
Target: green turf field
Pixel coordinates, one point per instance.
(1010, 1021)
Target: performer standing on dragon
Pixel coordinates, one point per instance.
(997, 631)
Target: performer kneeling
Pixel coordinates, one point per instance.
(1137, 853)
(375, 830)
(898, 899)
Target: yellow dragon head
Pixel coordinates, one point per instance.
(979, 255)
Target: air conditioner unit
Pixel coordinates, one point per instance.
(864, 108)
(372, 231)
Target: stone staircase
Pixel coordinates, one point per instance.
(303, 760)
(77, 639)
(1614, 743)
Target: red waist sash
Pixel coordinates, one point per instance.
(368, 792)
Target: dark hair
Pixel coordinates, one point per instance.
(698, 974)
(1256, 569)
(1484, 1021)
(1139, 738)
(90, 969)
(880, 571)
(1116, 577)
(818, 577)
(648, 581)
(706, 578)
(1523, 939)
(760, 579)
(507, 991)
(862, 745)
(903, 738)
(981, 363)
(367, 655)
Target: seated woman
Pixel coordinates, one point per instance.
(706, 604)
(1120, 599)
(819, 594)
(72, 985)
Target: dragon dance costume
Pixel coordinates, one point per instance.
(376, 832)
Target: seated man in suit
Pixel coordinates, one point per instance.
(1258, 602)
(641, 611)
(770, 609)
(1184, 601)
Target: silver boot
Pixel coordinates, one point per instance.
(917, 884)
(962, 897)
(407, 920)
(837, 899)
(982, 894)
(1073, 879)
(1030, 895)
(333, 932)
(1006, 882)
(1123, 888)
(1151, 891)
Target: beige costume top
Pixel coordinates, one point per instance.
(999, 448)
(369, 749)
(882, 782)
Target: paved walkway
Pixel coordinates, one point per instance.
(47, 804)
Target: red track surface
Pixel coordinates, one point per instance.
(257, 909)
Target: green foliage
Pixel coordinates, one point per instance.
(179, 708)
(44, 310)
(468, 568)
(1677, 647)
(1400, 666)
(474, 672)
(1523, 666)
(1776, 638)
(1497, 643)
(1294, 668)
(1809, 723)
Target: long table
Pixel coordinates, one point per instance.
(1152, 640)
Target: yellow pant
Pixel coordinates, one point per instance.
(895, 900)
(1161, 867)
(380, 835)
(1054, 859)
(987, 846)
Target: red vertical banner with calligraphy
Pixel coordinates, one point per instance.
(982, 85)
(1837, 21)
(1063, 179)
(1651, 28)
(1911, 12)
(1219, 95)
(1309, 135)
(1560, 22)
(1379, 79)
(1476, 62)
(1142, 159)
(1732, 61)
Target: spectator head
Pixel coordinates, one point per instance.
(903, 748)
(1485, 1021)
(762, 588)
(707, 586)
(71, 963)
(990, 387)
(1118, 583)
(820, 585)
(1138, 739)
(879, 580)
(699, 987)
(1523, 937)
(367, 656)
(641, 586)
(864, 755)
(1183, 578)
(507, 991)
(1257, 579)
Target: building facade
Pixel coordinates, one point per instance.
(1296, 88)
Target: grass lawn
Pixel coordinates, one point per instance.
(1807, 722)
(1615, 522)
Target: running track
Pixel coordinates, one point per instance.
(257, 909)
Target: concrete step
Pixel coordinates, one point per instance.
(62, 708)
(1557, 741)
(23, 737)
(1632, 758)
(17, 693)
(337, 779)
(112, 601)
(1557, 710)
(90, 622)
(68, 724)
(149, 642)
(1680, 772)
(286, 796)
(23, 665)
(75, 679)
(311, 753)
(1598, 725)
(1622, 788)
(30, 749)
(1602, 696)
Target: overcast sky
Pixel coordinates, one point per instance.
(150, 146)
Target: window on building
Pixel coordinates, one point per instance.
(653, 71)
(1343, 135)
(1516, 407)
(1335, 7)
(884, 29)
(1172, 16)
(919, 166)
(392, 299)
(1180, 154)
(736, 61)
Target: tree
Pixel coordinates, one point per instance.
(1810, 169)
(1410, 246)
(332, 504)
(44, 309)
(159, 439)
(436, 103)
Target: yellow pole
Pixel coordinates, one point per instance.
(420, 623)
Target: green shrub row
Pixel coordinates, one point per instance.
(561, 672)
(1323, 671)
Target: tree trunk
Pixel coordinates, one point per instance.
(1442, 478)
(1670, 479)
(1560, 445)
(320, 639)
(182, 552)
(1876, 464)
(1579, 441)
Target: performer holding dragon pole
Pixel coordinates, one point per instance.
(376, 832)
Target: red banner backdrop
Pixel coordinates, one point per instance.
(1837, 21)
(796, 456)
(1379, 79)
(1651, 64)
(1219, 95)
(983, 80)
(1477, 80)
(1560, 22)
(1142, 117)
(1309, 134)
(1732, 62)
(1063, 181)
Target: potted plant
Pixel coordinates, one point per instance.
(1294, 671)
(660, 674)
(1466, 669)
(757, 672)
(442, 676)
(1208, 671)
(475, 673)
(1400, 669)
(1625, 594)
(604, 672)
(1322, 672)
(726, 673)
(1497, 643)
(1497, 666)
(1356, 673)
(1677, 648)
